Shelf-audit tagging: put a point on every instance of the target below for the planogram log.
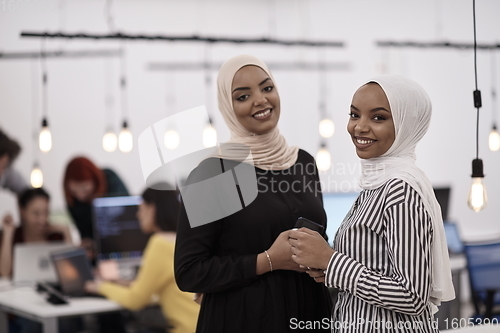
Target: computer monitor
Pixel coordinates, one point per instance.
(117, 232)
(337, 205)
(443, 198)
(455, 244)
(73, 270)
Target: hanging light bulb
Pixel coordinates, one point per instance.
(209, 135)
(109, 141)
(171, 139)
(494, 139)
(45, 137)
(323, 158)
(36, 177)
(477, 199)
(477, 194)
(326, 128)
(125, 139)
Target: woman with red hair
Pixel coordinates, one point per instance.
(84, 181)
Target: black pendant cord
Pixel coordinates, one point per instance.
(477, 93)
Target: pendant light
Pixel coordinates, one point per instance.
(125, 138)
(109, 139)
(45, 137)
(323, 158)
(209, 135)
(36, 176)
(477, 199)
(326, 125)
(171, 138)
(209, 132)
(494, 137)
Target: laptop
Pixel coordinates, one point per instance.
(73, 270)
(118, 236)
(455, 244)
(32, 261)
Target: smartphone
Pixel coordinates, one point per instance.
(302, 222)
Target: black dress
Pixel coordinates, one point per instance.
(219, 258)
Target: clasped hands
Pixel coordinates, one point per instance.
(301, 250)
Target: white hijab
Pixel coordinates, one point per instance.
(269, 151)
(411, 112)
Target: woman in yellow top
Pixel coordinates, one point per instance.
(157, 214)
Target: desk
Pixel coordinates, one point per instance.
(26, 302)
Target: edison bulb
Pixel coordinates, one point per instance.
(45, 139)
(494, 140)
(323, 159)
(209, 136)
(326, 128)
(171, 139)
(109, 141)
(125, 140)
(36, 177)
(477, 195)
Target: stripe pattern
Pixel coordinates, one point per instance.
(383, 262)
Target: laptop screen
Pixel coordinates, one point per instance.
(443, 197)
(337, 205)
(73, 269)
(117, 232)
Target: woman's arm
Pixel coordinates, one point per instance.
(409, 244)
(199, 269)
(8, 230)
(156, 269)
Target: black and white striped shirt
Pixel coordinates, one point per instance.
(383, 263)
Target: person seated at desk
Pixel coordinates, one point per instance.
(83, 182)
(10, 177)
(34, 209)
(34, 227)
(157, 214)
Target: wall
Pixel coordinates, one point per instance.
(78, 87)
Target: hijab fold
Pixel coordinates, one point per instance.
(269, 151)
(411, 112)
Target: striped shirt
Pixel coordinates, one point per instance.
(382, 264)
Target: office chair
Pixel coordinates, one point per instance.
(483, 263)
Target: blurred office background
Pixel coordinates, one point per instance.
(84, 98)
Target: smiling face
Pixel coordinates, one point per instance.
(35, 216)
(81, 190)
(256, 102)
(371, 125)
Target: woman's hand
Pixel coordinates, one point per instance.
(8, 226)
(310, 249)
(280, 256)
(88, 245)
(198, 298)
(92, 286)
(317, 274)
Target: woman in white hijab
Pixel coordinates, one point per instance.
(242, 262)
(389, 257)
